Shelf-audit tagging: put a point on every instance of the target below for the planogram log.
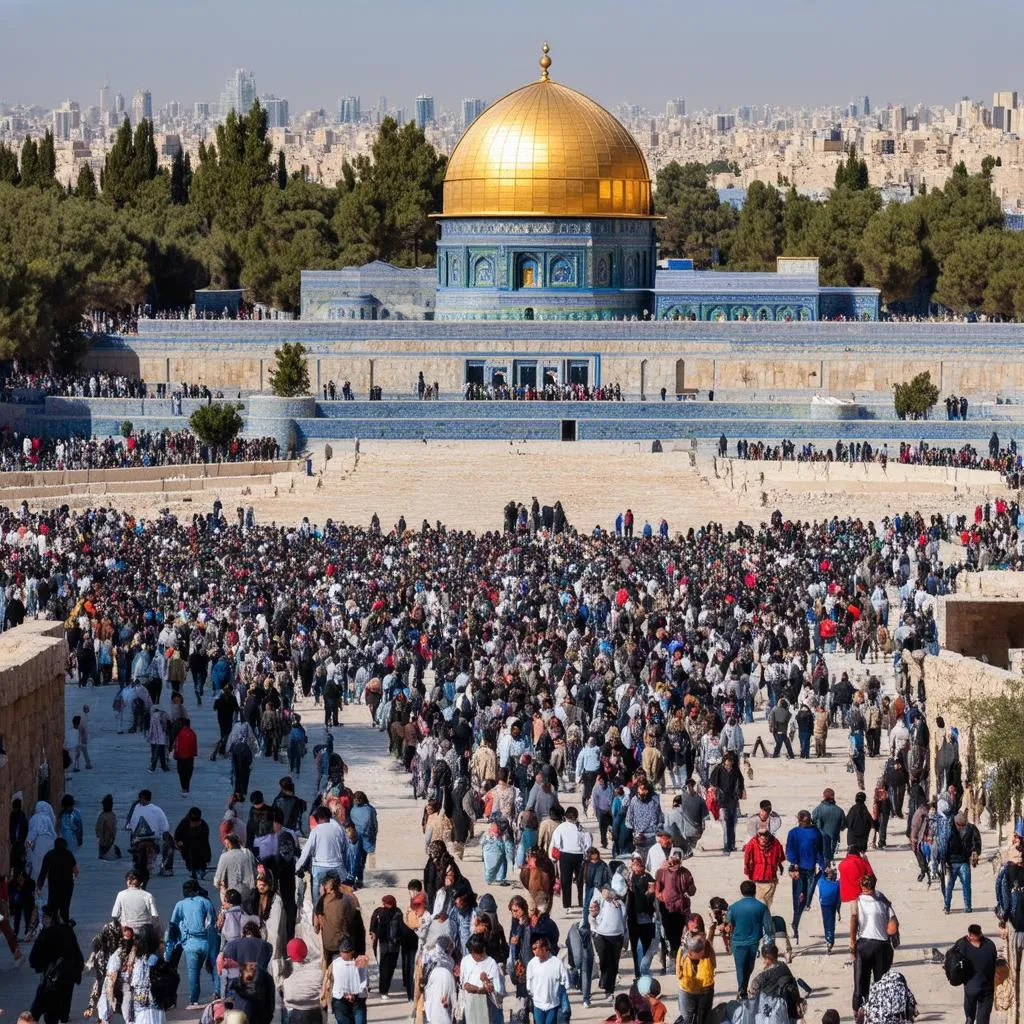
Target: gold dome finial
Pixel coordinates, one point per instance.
(545, 63)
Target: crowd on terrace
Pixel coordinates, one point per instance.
(546, 393)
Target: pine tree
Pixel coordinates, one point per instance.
(86, 186)
(29, 163)
(9, 172)
(282, 170)
(289, 376)
(47, 159)
(179, 193)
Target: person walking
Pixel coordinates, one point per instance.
(186, 750)
(873, 922)
(980, 955)
(193, 917)
(302, 976)
(778, 725)
(750, 921)
(571, 844)
(57, 956)
(963, 848)
(59, 869)
(608, 926)
(348, 983)
(806, 856)
(547, 982)
(386, 936)
(830, 820)
(763, 862)
(157, 736)
(727, 779)
(695, 973)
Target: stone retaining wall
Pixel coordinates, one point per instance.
(33, 664)
(740, 471)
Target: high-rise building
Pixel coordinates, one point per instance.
(349, 110)
(173, 110)
(142, 106)
(675, 108)
(239, 94)
(1004, 111)
(471, 110)
(119, 105)
(424, 111)
(1005, 99)
(277, 111)
(867, 106)
(201, 111)
(104, 101)
(62, 123)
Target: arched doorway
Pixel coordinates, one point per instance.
(529, 272)
(680, 376)
(528, 313)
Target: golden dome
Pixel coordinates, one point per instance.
(547, 150)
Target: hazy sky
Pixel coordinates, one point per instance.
(716, 53)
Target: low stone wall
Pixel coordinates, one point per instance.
(33, 664)
(775, 474)
(950, 679)
(199, 471)
(992, 584)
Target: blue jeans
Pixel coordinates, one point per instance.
(196, 952)
(745, 957)
(318, 874)
(829, 846)
(294, 757)
(729, 815)
(803, 894)
(545, 1016)
(828, 922)
(301, 1016)
(495, 865)
(963, 872)
(349, 1013)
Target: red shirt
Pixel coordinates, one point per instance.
(852, 868)
(185, 743)
(762, 864)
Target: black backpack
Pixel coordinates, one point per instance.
(955, 965)
(163, 986)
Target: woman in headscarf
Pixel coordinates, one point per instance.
(440, 993)
(42, 831)
(438, 862)
(386, 934)
(890, 1000)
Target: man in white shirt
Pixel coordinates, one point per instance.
(572, 844)
(545, 975)
(350, 985)
(481, 978)
(134, 907)
(658, 853)
(324, 850)
(147, 823)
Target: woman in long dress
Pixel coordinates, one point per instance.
(42, 831)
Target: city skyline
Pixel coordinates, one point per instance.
(416, 44)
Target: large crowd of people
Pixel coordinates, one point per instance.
(1008, 461)
(547, 393)
(542, 690)
(141, 448)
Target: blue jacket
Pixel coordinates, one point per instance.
(828, 892)
(804, 848)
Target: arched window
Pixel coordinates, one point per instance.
(603, 273)
(529, 272)
(483, 272)
(561, 272)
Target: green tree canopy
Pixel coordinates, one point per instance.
(915, 397)
(852, 174)
(894, 251)
(388, 197)
(697, 224)
(217, 424)
(760, 231)
(289, 376)
(85, 188)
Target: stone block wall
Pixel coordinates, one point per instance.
(33, 663)
(981, 627)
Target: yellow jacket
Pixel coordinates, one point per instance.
(695, 976)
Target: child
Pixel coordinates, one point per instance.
(828, 900)
(355, 855)
(881, 811)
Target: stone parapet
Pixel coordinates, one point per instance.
(33, 667)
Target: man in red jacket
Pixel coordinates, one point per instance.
(763, 862)
(186, 747)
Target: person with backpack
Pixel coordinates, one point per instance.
(971, 962)
(56, 956)
(297, 743)
(153, 982)
(776, 990)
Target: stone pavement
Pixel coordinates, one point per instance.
(120, 768)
